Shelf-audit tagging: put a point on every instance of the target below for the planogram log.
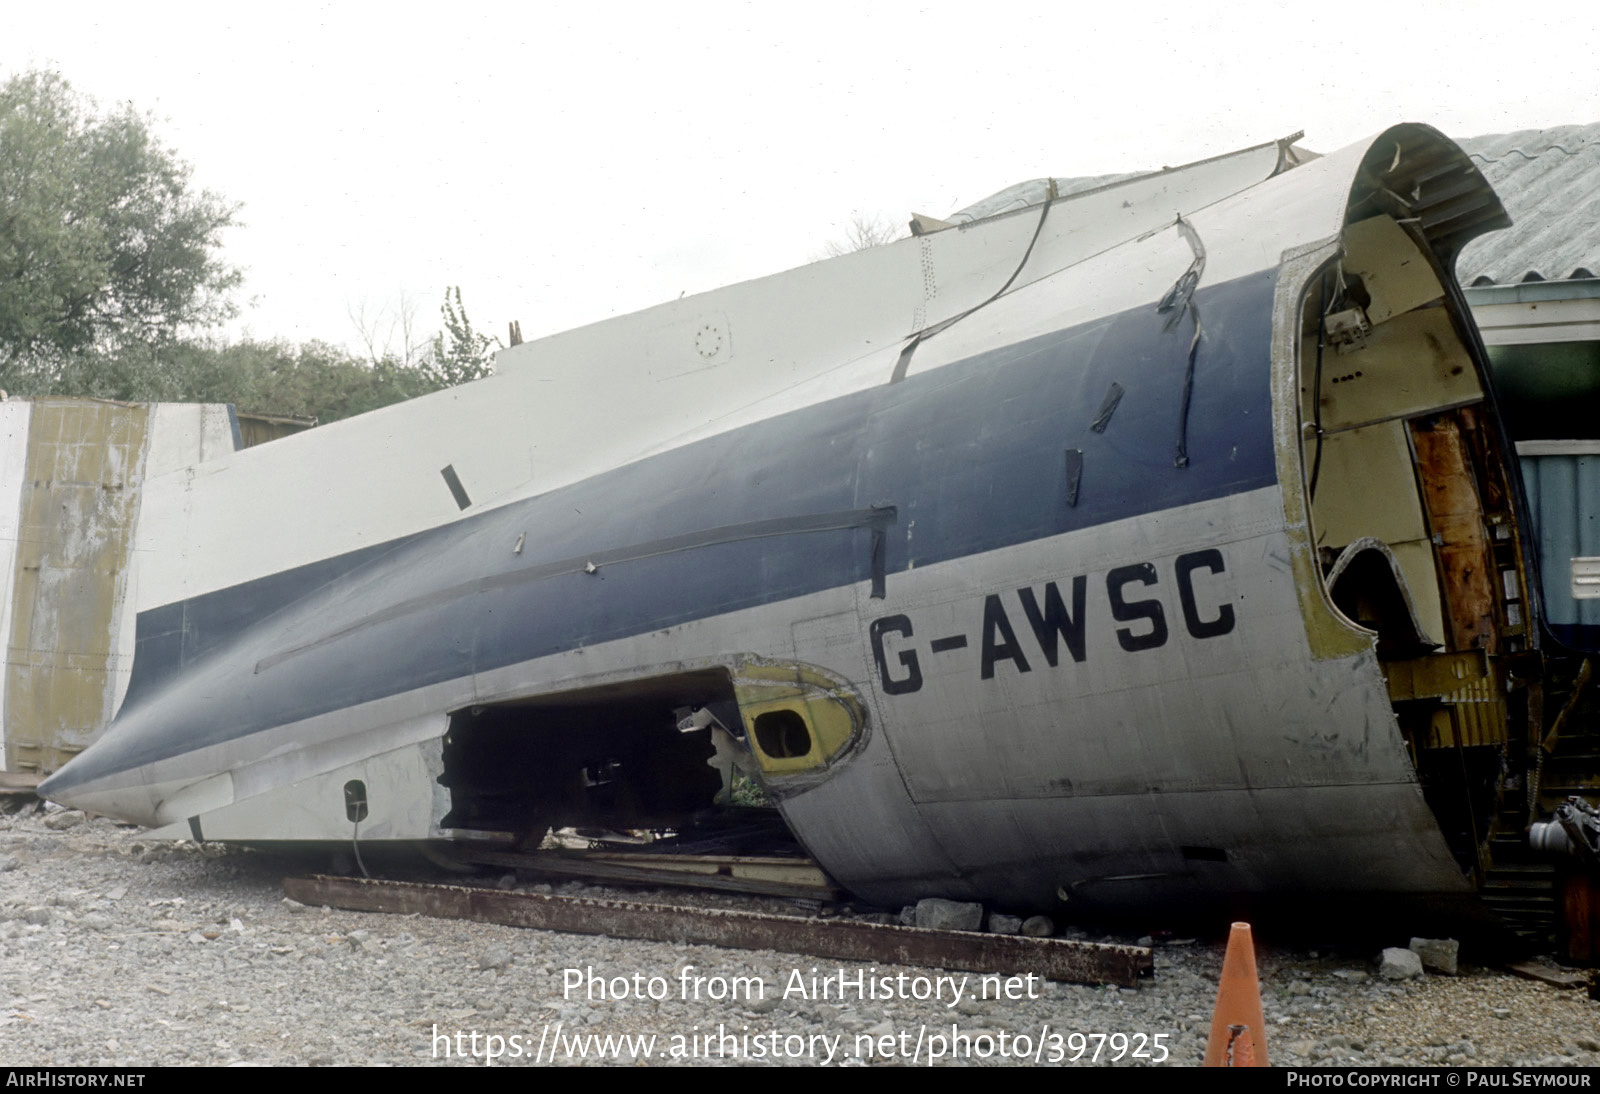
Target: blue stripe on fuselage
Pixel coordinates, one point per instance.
(971, 455)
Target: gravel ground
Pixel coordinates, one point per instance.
(118, 952)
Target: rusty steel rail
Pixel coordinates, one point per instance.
(1051, 958)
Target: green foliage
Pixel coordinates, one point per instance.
(322, 381)
(110, 268)
(747, 791)
(314, 379)
(106, 251)
(270, 377)
(460, 353)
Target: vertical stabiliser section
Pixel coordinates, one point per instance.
(76, 498)
(72, 525)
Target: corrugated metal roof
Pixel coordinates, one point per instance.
(1547, 179)
(1549, 182)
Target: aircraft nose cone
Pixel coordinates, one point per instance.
(119, 793)
(63, 787)
(54, 787)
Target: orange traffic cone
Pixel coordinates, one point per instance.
(1238, 1032)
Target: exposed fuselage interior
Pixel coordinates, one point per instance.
(1413, 517)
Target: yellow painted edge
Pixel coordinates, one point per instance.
(1328, 633)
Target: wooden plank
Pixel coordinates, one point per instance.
(1547, 974)
(719, 860)
(576, 866)
(849, 940)
(1578, 912)
(799, 871)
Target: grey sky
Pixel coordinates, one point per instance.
(565, 163)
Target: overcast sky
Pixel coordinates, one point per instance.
(565, 163)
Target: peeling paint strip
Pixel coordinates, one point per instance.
(879, 579)
(457, 491)
(1074, 475)
(1108, 407)
(1180, 299)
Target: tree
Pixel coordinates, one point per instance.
(863, 232)
(105, 247)
(459, 352)
(382, 327)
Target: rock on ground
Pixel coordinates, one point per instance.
(1004, 924)
(949, 915)
(1038, 926)
(1437, 954)
(1398, 964)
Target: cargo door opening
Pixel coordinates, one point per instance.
(643, 761)
(687, 763)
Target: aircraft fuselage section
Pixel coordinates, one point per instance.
(1026, 627)
(1039, 614)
